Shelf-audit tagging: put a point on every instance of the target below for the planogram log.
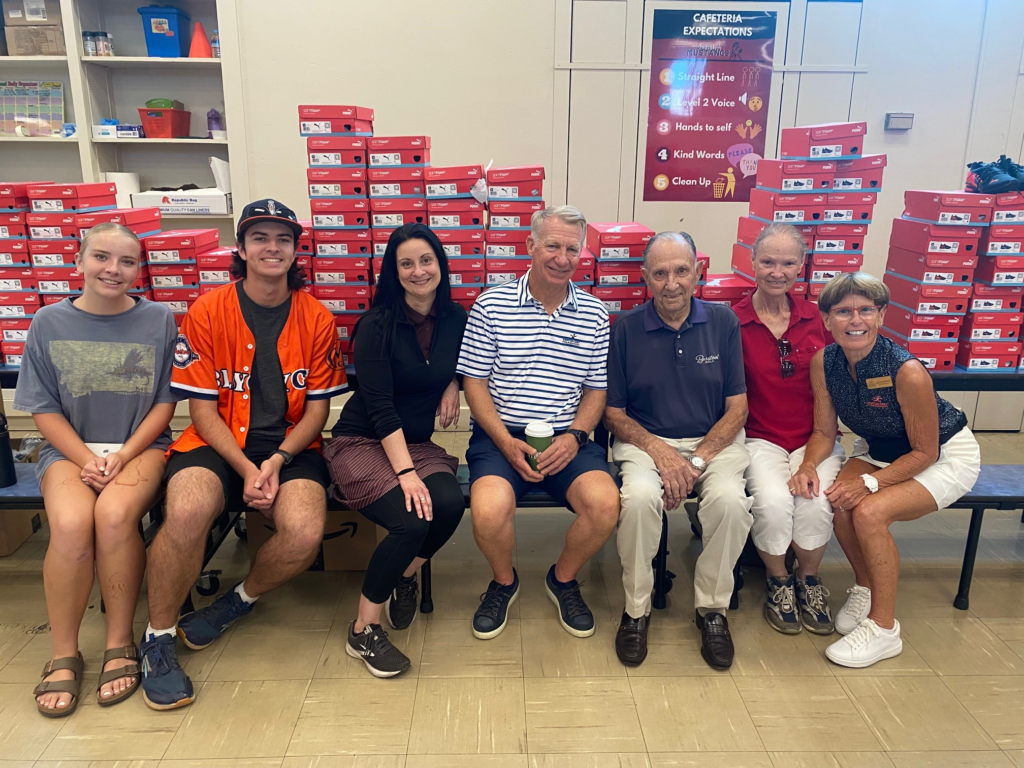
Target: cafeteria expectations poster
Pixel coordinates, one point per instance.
(711, 76)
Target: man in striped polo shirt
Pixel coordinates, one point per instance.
(535, 350)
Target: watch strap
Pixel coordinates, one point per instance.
(581, 436)
(284, 455)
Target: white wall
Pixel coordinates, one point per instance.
(558, 82)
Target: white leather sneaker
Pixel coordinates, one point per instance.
(866, 645)
(854, 610)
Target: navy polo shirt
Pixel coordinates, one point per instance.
(674, 383)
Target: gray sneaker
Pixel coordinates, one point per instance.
(780, 606)
(815, 614)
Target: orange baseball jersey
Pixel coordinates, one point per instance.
(213, 356)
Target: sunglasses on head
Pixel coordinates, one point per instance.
(785, 348)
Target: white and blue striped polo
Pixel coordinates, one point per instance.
(536, 364)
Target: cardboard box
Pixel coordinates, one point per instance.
(927, 269)
(31, 13)
(142, 221)
(216, 258)
(336, 151)
(466, 271)
(862, 173)
(396, 212)
(1000, 270)
(827, 141)
(1002, 240)
(947, 208)
(52, 253)
(795, 176)
(466, 293)
(926, 299)
(52, 226)
(830, 238)
(618, 240)
(972, 330)
(989, 298)
(451, 187)
(934, 355)
(726, 288)
(827, 259)
(748, 229)
(503, 270)
(849, 207)
(455, 214)
(923, 327)
(924, 237)
(16, 526)
(396, 182)
(462, 242)
(787, 208)
(1008, 208)
(12, 226)
(335, 120)
(349, 539)
(35, 41)
(195, 201)
(342, 242)
(334, 111)
(398, 151)
(618, 272)
(524, 182)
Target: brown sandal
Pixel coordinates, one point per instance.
(128, 670)
(77, 666)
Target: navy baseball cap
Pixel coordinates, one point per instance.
(267, 210)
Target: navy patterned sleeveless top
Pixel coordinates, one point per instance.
(875, 414)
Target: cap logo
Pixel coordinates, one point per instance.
(272, 208)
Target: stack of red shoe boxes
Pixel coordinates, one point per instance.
(826, 187)
(173, 257)
(615, 252)
(457, 218)
(16, 306)
(213, 268)
(514, 194)
(933, 256)
(338, 154)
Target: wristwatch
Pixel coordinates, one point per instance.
(870, 482)
(697, 462)
(284, 455)
(581, 437)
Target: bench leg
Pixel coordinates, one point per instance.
(962, 599)
(737, 585)
(426, 597)
(661, 567)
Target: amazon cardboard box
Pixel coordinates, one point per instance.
(349, 539)
(16, 526)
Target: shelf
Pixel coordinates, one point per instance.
(31, 59)
(144, 142)
(39, 139)
(134, 62)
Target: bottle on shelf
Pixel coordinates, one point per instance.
(88, 43)
(103, 47)
(215, 44)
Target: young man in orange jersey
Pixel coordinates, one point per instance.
(259, 362)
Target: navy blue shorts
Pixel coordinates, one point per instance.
(484, 459)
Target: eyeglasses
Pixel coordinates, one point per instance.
(785, 348)
(845, 313)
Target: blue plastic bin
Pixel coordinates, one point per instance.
(167, 31)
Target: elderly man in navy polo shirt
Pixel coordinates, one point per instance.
(677, 404)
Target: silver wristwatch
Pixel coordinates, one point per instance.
(697, 462)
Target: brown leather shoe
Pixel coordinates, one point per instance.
(716, 642)
(631, 639)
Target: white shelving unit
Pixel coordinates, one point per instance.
(116, 87)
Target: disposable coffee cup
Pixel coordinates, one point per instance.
(539, 435)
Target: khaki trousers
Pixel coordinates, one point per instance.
(724, 514)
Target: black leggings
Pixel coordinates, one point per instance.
(409, 536)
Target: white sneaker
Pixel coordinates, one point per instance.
(866, 645)
(855, 610)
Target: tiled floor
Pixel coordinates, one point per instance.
(279, 692)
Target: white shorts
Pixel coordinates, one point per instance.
(949, 478)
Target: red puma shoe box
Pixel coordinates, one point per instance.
(787, 208)
(502, 270)
(454, 214)
(396, 182)
(820, 274)
(336, 182)
(467, 271)
(950, 208)
(63, 283)
(929, 268)
(506, 243)
(335, 151)
(19, 298)
(935, 355)
(12, 352)
(584, 273)
(328, 213)
(189, 293)
(181, 307)
(516, 182)
(14, 195)
(342, 242)
(742, 259)
(466, 294)
(793, 176)
(396, 212)
(51, 226)
(345, 269)
(17, 279)
(926, 299)
(923, 327)
(849, 207)
(330, 175)
(214, 278)
(1001, 317)
(326, 119)
(977, 327)
(726, 287)
(462, 242)
(174, 275)
(1000, 270)
(924, 237)
(618, 272)
(748, 229)
(15, 252)
(506, 214)
(345, 323)
(12, 225)
(826, 141)
(197, 240)
(988, 355)
(837, 238)
(334, 111)
(452, 181)
(996, 298)
(620, 298)
(52, 198)
(398, 150)
(13, 329)
(141, 221)
(217, 258)
(826, 259)
(1002, 240)
(50, 253)
(343, 298)
(1008, 209)
(861, 173)
(618, 240)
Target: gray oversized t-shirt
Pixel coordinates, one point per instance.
(103, 372)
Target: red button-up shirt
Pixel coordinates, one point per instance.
(781, 410)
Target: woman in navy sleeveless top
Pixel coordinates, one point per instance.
(914, 455)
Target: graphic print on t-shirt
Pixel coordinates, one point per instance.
(84, 367)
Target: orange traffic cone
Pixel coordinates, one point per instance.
(200, 48)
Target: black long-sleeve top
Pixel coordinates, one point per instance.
(401, 390)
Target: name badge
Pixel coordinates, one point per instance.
(881, 382)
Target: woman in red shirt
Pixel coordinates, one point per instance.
(780, 334)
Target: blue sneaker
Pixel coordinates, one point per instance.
(491, 617)
(573, 613)
(164, 683)
(200, 628)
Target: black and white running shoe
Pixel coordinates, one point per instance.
(401, 607)
(374, 649)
